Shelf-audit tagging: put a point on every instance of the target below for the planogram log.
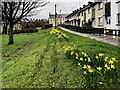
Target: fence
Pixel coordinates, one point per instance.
(99, 31)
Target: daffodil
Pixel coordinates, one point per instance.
(64, 51)
(112, 66)
(76, 54)
(101, 54)
(88, 66)
(85, 55)
(85, 59)
(100, 83)
(97, 57)
(64, 47)
(89, 60)
(76, 57)
(113, 59)
(110, 62)
(106, 59)
(71, 53)
(106, 65)
(85, 67)
(69, 47)
(81, 59)
(99, 68)
(108, 68)
(90, 70)
(82, 53)
(85, 72)
(78, 64)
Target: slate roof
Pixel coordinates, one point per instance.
(58, 16)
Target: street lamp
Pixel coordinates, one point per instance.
(55, 16)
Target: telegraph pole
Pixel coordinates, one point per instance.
(55, 16)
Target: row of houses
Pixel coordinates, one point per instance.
(104, 14)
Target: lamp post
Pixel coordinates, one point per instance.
(60, 18)
(55, 16)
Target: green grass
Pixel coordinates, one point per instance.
(19, 70)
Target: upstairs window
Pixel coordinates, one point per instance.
(89, 11)
(100, 20)
(100, 5)
(82, 13)
(119, 18)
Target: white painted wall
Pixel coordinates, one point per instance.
(114, 16)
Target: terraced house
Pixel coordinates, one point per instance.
(112, 16)
(103, 15)
(80, 16)
(60, 19)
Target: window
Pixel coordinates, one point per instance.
(100, 5)
(100, 20)
(60, 23)
(82, 23)
(82, 13)
(89, 11)
(119, 18)
(108, 20)
(94, 22)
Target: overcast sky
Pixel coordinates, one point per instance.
(66, 7)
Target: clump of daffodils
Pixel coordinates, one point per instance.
(58, 33)
(97, 67)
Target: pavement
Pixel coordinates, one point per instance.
(98, 38)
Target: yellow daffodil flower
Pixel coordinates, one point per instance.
(76, 54)
(76, 57)
(110, 62)
(113, 59)
(84, 67)
(85, 59)
(99, 68)
(85, 55)
(112, 66)
(90, 70)
(81, 59)
(78, 64)
(88, 66)
(64, 51)
(108, 68)
(64, 47)
(100, 83)
(97, 57)
(82, 53)
(85, 72)
(71, 53)
(69, 47)
(89, 60)
(106, 65)
(101, 54)
(106, 58)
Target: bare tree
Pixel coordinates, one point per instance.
(15, 10)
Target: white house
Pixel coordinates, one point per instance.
(112, 16)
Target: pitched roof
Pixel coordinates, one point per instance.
(58, 15)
